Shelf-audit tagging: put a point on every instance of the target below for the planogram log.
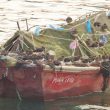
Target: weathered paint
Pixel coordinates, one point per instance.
(65, 84)
(47, 84)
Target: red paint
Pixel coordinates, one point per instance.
(64, 84)
(34, 82)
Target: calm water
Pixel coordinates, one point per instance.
(99, 99)
(44, 12)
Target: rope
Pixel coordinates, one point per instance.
(24, 43)
(98, 34)
(21, 39)
(82, 16)
(105, 68)
(87, 48)
(6, 74)
(82, 35)
(59, 38)
(18, 94)
(45, 26)
(80, 43)
(79, 37)
(33, 40)
(83, 22)
(17, 49)
(10, 46)
(79, 40)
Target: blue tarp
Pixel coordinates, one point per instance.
(108, 13)
(37, 31)
(55, 27)
(88, 26)
(103, 39)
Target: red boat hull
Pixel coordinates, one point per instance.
(61, 84)
(47, 84)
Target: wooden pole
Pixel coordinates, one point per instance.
(33, 41)
(27, 25)
(18, 25)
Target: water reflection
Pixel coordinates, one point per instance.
(14, 104)
(63, 104)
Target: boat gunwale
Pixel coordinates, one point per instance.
(71, 68)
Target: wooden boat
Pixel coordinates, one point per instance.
(44, 83)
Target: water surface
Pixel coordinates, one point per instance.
(99, 99)
(42, 12)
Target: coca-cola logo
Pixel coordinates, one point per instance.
(59, 82)
(63, 80)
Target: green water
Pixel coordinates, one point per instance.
(62, 104)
